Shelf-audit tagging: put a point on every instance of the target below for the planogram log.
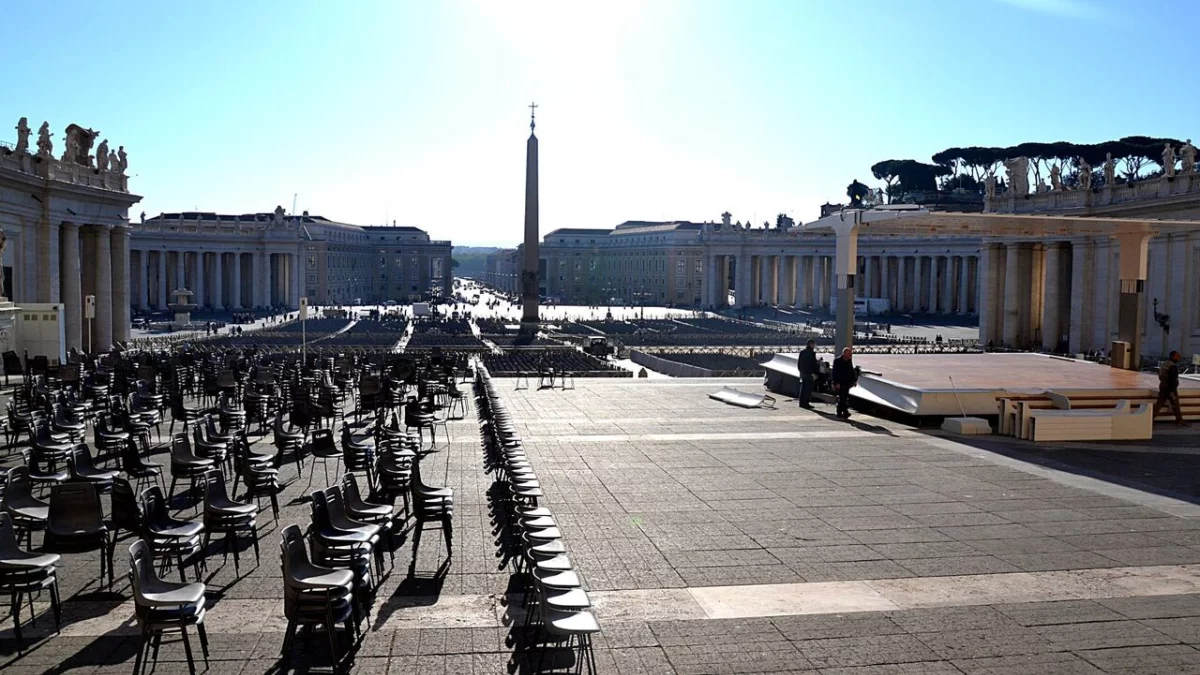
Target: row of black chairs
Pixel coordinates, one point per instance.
(560, 603)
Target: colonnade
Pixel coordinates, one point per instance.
(218, 280)
(945, 284)
(74, 260)
(1026, 301)
(931, 284)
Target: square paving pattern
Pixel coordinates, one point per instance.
(716, 539)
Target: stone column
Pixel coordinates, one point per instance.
(201, 286)
(69, 289)
(933, 284)
(1052, 287)
(162, 280)
(104, 291)
(963, 281)
(120, 283)
(706, 282)
(144, 280)
(948, 286)
(782, 263)
(235, 282)
(745, 281)
(1012, 294)
(985, 289)
(902, 284)
(864, 290)
(885, 278)
(46, 233)
(218, 292)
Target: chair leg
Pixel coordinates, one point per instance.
(187, 648)
(448, 535)
(15, 610)
(142, 647)
(203, 641)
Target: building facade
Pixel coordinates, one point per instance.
(66, 230)
(258, 260)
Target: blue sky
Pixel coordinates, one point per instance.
(416, 111)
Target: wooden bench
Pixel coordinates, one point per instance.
(1120, 422)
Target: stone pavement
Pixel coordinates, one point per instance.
(716, 539)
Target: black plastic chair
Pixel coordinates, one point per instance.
(185, 464)
(25, 573)
(431, 505)
(76, 524)
(314, 595)
(28, 513)
(172, 541)
(83, 470)
(137, 468)
(162, 606)
(322, 448)
(223, 515)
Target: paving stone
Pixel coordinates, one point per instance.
(865, 651)
(1105, 634)
(1060, 612)
(1060, 663)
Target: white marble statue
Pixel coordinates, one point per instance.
(1018, 175)
(72, 150)
(1056, 178)
(1085, 174)
(989, 187)
(279, 215)
(114, 162)
(1188, 152)
(124, 159)
(1168, 160)
(45, 144)
(102, 156)
(1110, 170)
(23, 135)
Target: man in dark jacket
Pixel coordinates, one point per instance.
(844, 378)
(807, 363)
(1168, 387)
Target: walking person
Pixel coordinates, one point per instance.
(844, 378)
(1168, 387)
(808, 366)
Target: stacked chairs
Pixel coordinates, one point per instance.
(28, 513)
(288, 439)
(75, 523)
(161, 606)
(108, 441)
(430, 504)
(315, 595)
(226, 516)
(81, 468)
(186, 464)
(340, 541)
(561, 605)
(25, 573)
(260, 478)
(172, 541)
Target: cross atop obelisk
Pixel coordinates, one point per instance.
(529, 271)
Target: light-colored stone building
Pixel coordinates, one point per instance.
(502, 270)
(65, 220)
(271, 260)
(1064, 291)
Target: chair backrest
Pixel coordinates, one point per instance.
(214, 487)
(154, 506)
(76, 507)
(126, 512)
(18, 486)
(81, 457)
(320, 510)
(8, 536)
(141, 571)
(181, 447)
(323, 439)
(350, 489)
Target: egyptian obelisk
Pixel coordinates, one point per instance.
(529, 272)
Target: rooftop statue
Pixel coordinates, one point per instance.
(1188, 152)
(989, 187)
(1168, 160)
(45, 144)
(102, 156)
(124, 159)
(1110, 170)
(1085, 174)
(23, 135)
(1056, 178)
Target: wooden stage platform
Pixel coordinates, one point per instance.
(920, 384)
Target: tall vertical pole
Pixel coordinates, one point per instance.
(529, 276)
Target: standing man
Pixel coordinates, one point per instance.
(1168, 387)
(807, 363)
(844, 378)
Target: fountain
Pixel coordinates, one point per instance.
(182, 306)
